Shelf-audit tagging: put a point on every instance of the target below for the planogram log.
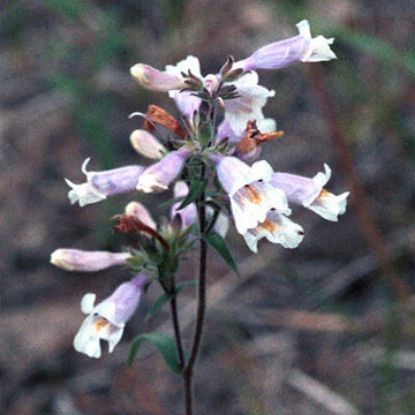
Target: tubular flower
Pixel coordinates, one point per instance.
(155, 80)
(186, 215)
(300, 48)
(100, 184)
(250, 191)
(248, 105)
(87, 261)
(106, 320)
(185, 100)
(278, 229)
(310, 193)
(147, 145)
(159, 176)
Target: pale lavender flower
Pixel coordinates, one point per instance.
(185, 100)
(87, 261)
(160, 175)
(188, 214)
(100, 184)
(147, 145)
(155, 80)
(139, 211)
(302, 48)
(250, 191)
(310, 193)
(278, 229)
(106, 320)
(249, 103)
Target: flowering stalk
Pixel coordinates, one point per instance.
(208, 166)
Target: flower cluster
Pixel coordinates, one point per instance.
(208, 166)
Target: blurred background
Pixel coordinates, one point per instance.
(328, 328)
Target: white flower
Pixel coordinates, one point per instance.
(250, 191)
(310, 193)
(84, 193)
(106, 321)
(318, 48)
(248, 105)
(329, 206)
(100, 184)
(186, 101)
(278, 229)
(300, 48)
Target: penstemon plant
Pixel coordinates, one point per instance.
(213, 171)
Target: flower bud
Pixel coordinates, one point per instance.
(147, 145)
(155, 80)
(138, 210)
(87, 261)
(186, 215)
(211, 83)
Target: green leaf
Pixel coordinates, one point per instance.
(195, 191)
(163, 343)
(165, 298)
(219, 244)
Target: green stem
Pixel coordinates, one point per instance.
(201, 307)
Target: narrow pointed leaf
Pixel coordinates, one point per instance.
(163, 343)
(195, 191)
(219, 244)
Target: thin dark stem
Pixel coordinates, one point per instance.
(201, 307)
(176, 328)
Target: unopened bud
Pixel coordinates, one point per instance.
(139, 211)
(87, 261)
(211, 83)
(147, 145)
(155, 80)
